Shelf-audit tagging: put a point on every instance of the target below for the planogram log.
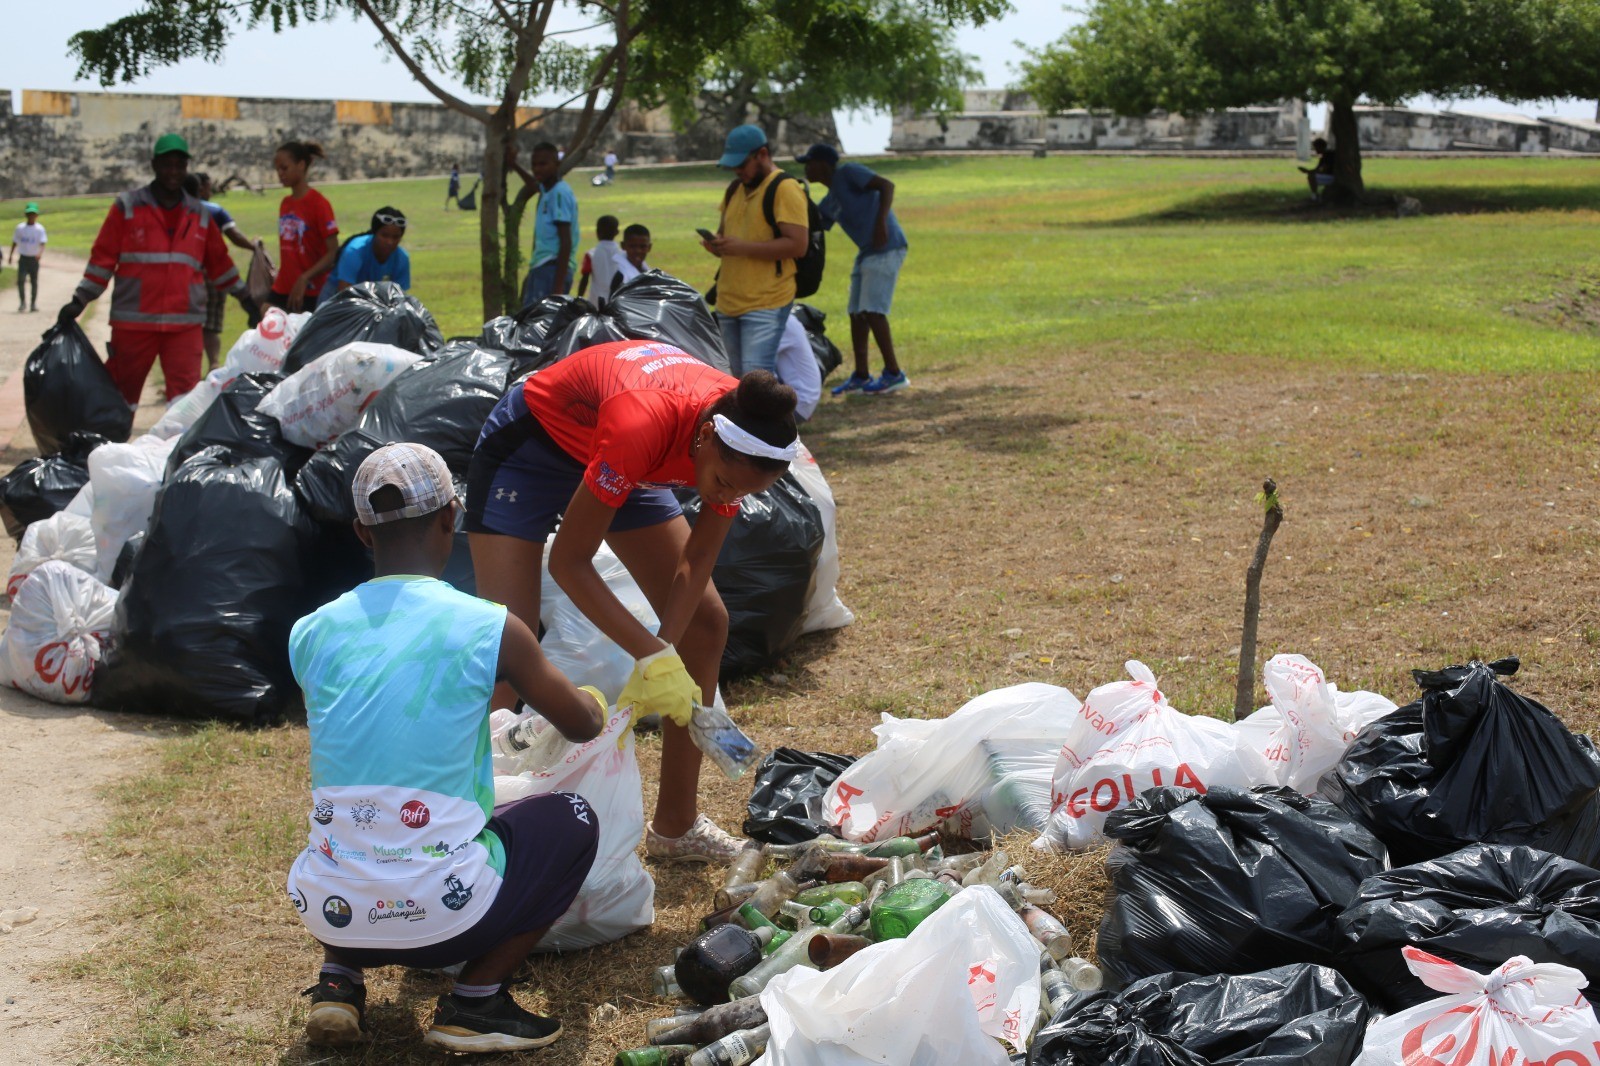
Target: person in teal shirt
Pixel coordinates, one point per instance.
(376, 255)
(408, 861)
(555, 226)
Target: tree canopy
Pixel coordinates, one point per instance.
(1133, 56)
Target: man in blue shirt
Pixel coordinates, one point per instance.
(555, 226)
(861, 202)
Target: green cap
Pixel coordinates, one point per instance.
(168, 143)
(32, 208)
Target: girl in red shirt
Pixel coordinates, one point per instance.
(599, 440)
(308, 236)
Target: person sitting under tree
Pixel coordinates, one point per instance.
(1320, 177)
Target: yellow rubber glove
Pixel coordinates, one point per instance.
(600, 698)
(660, 684)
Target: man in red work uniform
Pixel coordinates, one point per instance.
(162, 247)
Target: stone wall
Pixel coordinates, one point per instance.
(67, 143)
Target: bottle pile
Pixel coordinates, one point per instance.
(823, 901)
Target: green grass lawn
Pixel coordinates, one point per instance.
(1175, 256)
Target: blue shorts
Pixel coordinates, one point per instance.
(872, 282)
(520, 481)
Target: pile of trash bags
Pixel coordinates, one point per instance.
(201, 542)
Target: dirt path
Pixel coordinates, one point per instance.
(53, 763)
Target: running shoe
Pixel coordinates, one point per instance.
(853, 383)
(886, 382)
(338, 1005)
(704, 842)
(490, 1023)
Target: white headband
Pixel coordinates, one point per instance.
(740, 441)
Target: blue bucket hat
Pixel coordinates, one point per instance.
(742, 140)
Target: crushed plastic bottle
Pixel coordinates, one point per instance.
(723, 742)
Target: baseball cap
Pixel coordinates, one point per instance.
(416, 470)
(32, 208)
(742, 140)
(170, 142)
(822, 153)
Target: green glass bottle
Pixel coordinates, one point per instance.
(667, 1055)
(753, 919)
(825, 913)
(847, 892)
(905, 906)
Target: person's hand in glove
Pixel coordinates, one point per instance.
(660, 684)
(252, 310)
(69, 311)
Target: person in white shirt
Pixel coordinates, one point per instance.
(600, 262)
(611, 165)
(29, 240)
(635, 246)
(797, 368)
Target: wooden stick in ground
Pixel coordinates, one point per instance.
(1244, 696)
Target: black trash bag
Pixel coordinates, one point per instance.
(442, 403)
(1298, 1015)
(582, 332)
(655, 306)
(65, 387)
(1471, 762)
(125, 559)
(1229, 881)
(765, 571)
(786, 805)
(829, 358)
(233, 422)
(202, 624)
(377, 311)
(523, 336)
(1476, 907)
(39, 487)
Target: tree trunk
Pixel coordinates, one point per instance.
(1347, 144)
(495, 132)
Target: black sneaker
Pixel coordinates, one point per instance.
(338, 1005)
(492, 1023)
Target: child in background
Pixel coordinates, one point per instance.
(376, 255)
(600, 262)
(308, 236)
(635, 246)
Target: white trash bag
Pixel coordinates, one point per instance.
(60, 626)
(575, 645)
(323, 399)
(63, 536)
(965, 980)
(125, 478)
(824, 610)
(1304, 732)
(618, 896)
(1521, 1014)
(1127, 739)
(924, 773)
(186, 410)
(264, 348)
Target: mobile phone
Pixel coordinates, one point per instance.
(705, 234)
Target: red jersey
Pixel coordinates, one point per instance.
(628, 411)
(306, 230)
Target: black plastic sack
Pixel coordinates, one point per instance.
(377, 311)
(765, 571)
(523, 336)
(65, 387)
(1477, 907)
(829, 358)
(39, 487)
(1229, 881)
(1297, 1015)
(1471, 762)
(233, 422)
(202, 624)
(786, 804)
(124, 565)
(582, 332)
(442, 403)
(657, 306)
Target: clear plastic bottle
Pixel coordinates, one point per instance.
(745, 867)
(533, 744)
(735, 1049)
(723, 742)
(1047, 930)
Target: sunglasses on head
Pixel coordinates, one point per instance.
(391, 220)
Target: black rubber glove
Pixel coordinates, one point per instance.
(69, 311)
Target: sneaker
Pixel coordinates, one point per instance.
(704, 842)
(886, 382)
(493, 1023)
(853, 383)
(338, 1005)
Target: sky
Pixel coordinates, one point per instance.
(341, 60)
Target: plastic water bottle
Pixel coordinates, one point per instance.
(723, 742)
(533, 744)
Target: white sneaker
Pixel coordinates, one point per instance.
(704, 842)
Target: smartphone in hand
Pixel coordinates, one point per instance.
(705, 234)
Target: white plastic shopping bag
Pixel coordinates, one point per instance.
(963, 982)
(1127, 739)
(264, 348)
(573, 644)
(1521, 1014)
(125, 478)
(63, 536)
(60, 625)
(618, 896)
(927, 772)
(824, 610)
(323, 399)
(186, 410)
(1304, 732)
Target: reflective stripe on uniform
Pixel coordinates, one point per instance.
(144, 319)
(99, 272)
(160, 257)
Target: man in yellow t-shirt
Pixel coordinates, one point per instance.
(756, 286)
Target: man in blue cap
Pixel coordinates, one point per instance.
(755, 284)
(861, 202)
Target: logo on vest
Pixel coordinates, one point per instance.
(364, 814)
(297, 899)
(322, 814)
(336, 911)
(458, 895)
(404, 909)
(414, 815)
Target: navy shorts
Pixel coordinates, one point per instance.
(520, 481)
(550, 843)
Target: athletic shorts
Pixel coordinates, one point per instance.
(872, 282)
(520, 480)
(216, 305)
(550, 843)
